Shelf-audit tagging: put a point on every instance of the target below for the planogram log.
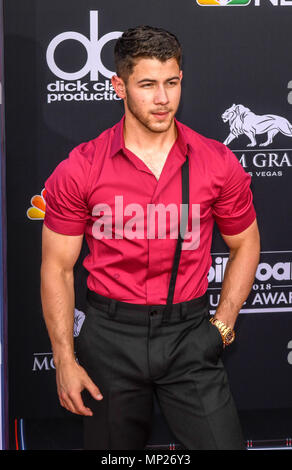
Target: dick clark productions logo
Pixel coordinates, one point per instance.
(94, 90)
(93, 47)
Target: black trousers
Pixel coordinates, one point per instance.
(131, 354)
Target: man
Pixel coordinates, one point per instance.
(127, 349)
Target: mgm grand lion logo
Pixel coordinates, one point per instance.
(243, 121)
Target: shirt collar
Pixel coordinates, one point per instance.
(118, 142)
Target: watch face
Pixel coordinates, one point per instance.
(229, 337)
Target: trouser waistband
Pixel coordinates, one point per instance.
(139, 313)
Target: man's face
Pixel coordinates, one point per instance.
(152, 93)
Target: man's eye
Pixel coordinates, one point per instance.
(147, 85)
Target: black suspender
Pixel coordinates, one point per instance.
(183, 226)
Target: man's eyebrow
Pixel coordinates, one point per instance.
(154, 81)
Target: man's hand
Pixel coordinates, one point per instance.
(71, 380)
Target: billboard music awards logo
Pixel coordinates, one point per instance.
(272, 288)
(70, 86)
(257, 132)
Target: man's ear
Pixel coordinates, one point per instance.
(119, 86)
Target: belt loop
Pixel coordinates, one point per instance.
(183, 310)
(166, 314)
(112, 308)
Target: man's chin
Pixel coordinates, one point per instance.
(161, 126)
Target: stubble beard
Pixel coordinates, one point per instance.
(158, 127)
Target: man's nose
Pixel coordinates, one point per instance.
(161, 96)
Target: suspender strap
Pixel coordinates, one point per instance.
(183, 226)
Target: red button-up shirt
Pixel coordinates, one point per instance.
(102, 181)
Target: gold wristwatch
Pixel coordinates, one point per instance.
(226, 332)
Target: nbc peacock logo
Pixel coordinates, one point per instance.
(38, 206)
(223, 3)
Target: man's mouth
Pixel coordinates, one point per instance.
(160, 114)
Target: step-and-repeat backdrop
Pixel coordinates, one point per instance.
(237, 88)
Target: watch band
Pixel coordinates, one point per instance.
(227, 333)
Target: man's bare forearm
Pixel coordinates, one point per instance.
(58, 300)
(238, 279)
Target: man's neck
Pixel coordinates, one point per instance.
(142, 140)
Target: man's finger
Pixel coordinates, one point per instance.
(63, 399)
(93, 390)
(68, 405)
(78, 405)
(67, 402)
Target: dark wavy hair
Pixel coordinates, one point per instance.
(144, 41)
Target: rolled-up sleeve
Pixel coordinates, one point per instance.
(66, 194)
(233, 210)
